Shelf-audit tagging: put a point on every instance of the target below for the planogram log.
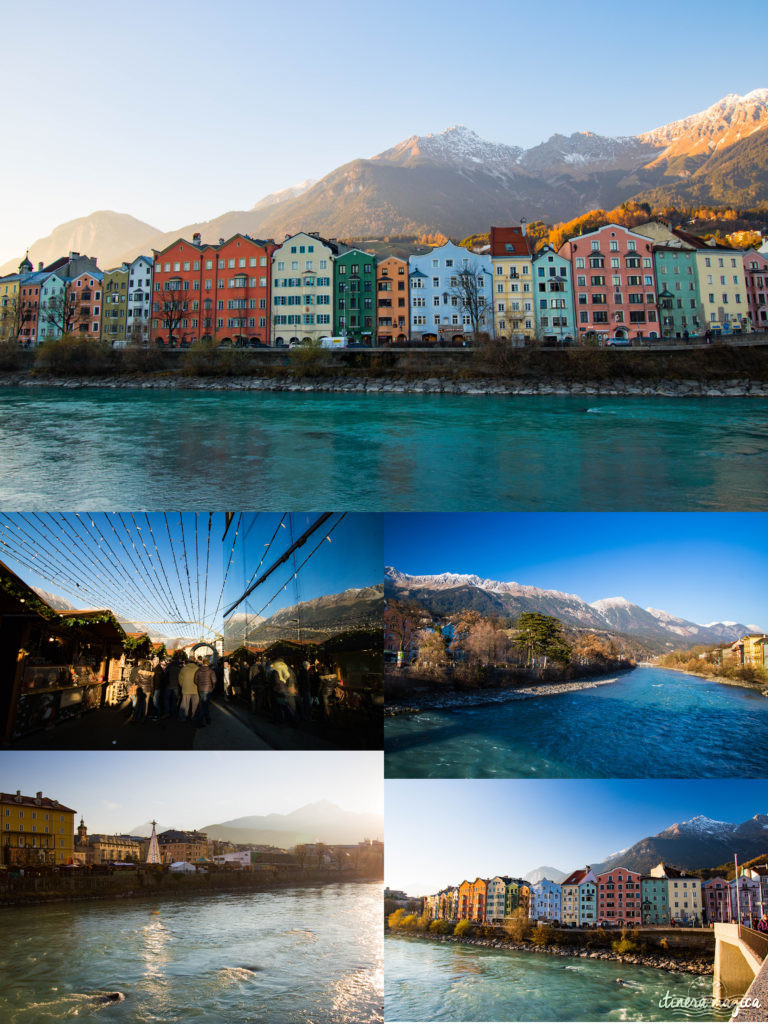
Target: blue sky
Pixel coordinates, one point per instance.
(118, 790)
(181, 111)
(352, 558)
(704, 567)
(439, 832)
(175, 573)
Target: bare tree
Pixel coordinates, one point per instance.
(469, 290)
(12, 318)
(59, 312)
(171, 307)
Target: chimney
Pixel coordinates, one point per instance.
(74, 255)
(40, 265)
(197, 238)
(221, 241)
(523, 226)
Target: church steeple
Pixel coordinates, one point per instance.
(82, 831)
(25, 267)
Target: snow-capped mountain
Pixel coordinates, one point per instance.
(728, 121)
(447, 593)
(284, 193)
(457, 146)
(699, 842)
(317, 619)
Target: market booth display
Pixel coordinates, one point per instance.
(53, 664)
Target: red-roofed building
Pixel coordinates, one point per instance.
(221, 292)
(513, 298)
(614, 283)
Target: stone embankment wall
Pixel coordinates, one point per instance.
(23, 891)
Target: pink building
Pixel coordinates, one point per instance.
(614, 283)
(84, 295)
(619, 898)
(756, 277)
(716, 901)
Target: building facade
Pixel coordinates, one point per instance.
(546, 900)
(680, 311)
(138, 313)
(219, 293)
(105, 849)
(614, 283)
(619, 897)
(579, 898)
(114, 317)
(716, 901)
(36, 830)
(513, 291)
(354, 296)
(302, 287)
(392, 301)
(495, 900)
(655, 908)
(176, 845)
(756, 281)
(450, 295)
(553, 297)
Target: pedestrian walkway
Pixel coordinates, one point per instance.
(227, 732)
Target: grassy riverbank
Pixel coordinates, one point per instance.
(686, 371)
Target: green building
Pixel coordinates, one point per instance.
(354, 296)
(114, 312)
(680, 308)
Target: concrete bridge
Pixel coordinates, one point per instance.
(741, 970)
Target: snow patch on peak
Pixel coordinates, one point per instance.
(611, 602)
(700, 824)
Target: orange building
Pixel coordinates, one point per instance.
(392, 312)
(221, 292)
(478, 893)
(84, 300)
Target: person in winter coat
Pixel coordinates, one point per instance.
(189, 695)
(205, 680)
(172, 692)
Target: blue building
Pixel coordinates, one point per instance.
(440, 311)
(546, 898)
(553, 296)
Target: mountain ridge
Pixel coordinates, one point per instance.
(456, 182)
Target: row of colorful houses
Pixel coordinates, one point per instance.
(665, 896)
(654, 281)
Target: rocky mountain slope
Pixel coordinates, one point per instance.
(449, 593)
(320, 618)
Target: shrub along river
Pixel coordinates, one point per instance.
(108, 449)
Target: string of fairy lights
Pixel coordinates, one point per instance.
(156, 570)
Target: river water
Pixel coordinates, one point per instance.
(108, 449)
(428, 981)
(649, 723)
(299, 955)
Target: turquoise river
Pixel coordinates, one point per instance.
(294, 956)
(108, 449)
(430, 981)
(648, 723)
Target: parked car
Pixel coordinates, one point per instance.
(619, 343)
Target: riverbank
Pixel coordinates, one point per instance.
(697, 964)
(741, 684)
(394, 383)
(162, 885)
(462, 699)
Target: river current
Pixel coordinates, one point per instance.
(428, 981)
(297, 956)
(649, 723)
(110, 449)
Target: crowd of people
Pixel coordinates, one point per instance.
(273, 688)
(287, 693)
(172, 688)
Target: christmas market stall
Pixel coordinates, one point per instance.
(53, 664)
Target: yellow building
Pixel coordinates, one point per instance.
(114, 305)
(722, 288)
(754, 647)
(9, 307)
(302, 288)
(513, 298)
(36, 830)
(100, 848)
